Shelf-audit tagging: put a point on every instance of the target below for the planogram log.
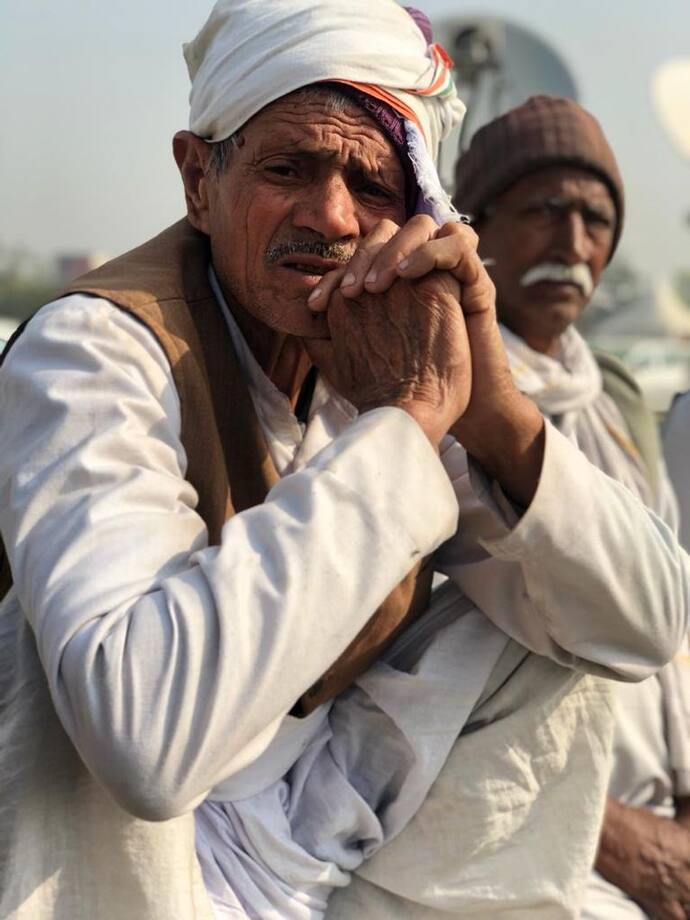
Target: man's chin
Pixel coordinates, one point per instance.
(554, 323)
(292, 317)
(307, 326)
(539, 322)
(564, 297)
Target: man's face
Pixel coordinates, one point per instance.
(550, 235)
(300, 191)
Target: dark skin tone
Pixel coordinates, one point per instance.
(648, 857)
(302, 174)
(559, 214)
(298, 174)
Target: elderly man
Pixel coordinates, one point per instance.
(209, 540)
(547, 200)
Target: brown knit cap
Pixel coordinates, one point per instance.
(544, 131)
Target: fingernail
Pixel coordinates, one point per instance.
(371, 278)
(315, 294)
(402, 264)
(348, 280)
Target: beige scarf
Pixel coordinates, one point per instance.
(568, 390)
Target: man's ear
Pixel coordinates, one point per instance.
(191, 155)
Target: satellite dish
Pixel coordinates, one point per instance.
(497, 66)
(671, 98)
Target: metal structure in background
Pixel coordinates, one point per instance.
(497, 66)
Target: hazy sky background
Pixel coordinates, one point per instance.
(92, 91)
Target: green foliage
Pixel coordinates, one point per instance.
(23, 298)
(25, 285)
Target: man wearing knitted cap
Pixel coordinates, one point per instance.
(546, 197)
(222, 485)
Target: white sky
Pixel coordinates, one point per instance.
(92, 91)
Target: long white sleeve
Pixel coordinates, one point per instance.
(586, 576)
(172, 664)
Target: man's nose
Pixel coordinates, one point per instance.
(329, 209)
(572, 243)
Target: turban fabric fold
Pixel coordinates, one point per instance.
(251, 52)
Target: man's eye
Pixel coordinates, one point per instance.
(597, 219)
(374, 190)
(542, 210)
(285, 170)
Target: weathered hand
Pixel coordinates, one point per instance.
(412, 252)
(406, 347)
(419, 247)
(500, 427)
(648, 857)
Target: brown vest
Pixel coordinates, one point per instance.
(164, 284)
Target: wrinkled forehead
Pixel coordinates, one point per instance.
(324, 124)
(303, 117)
(311, 126)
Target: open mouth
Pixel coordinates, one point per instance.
(305, 269)
(308, 265)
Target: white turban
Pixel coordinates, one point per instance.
(251, 52)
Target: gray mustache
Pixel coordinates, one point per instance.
(339, 252)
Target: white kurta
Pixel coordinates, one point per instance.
(173, 665)
(369, 764)
(502, 832)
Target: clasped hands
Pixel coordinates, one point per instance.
(399, 315)
(412, 320)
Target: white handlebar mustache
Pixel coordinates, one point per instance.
(557, 272)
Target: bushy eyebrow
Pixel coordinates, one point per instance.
(381, 167)
(312, 151)
(600, 206)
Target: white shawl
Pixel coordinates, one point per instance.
(568, 390)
